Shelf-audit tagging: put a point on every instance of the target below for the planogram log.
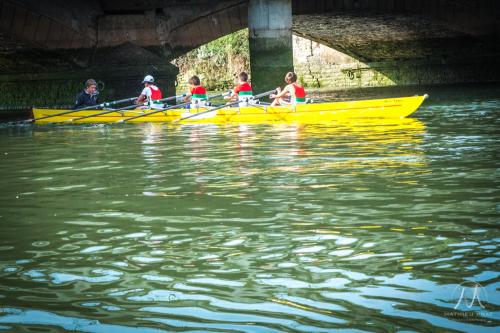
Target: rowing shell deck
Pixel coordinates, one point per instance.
(393, 108)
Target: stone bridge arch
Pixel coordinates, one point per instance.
(92, 36)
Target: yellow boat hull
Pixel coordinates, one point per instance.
(389, 108)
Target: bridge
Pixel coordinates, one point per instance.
(64, 42)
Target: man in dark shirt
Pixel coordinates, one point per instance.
(87, 97)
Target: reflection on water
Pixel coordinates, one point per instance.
(366, 227)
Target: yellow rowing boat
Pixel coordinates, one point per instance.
(388, 108)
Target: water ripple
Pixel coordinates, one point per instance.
(363, 227)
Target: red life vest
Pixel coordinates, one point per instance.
(243, 89)
(300, 92)
(199, 92)
(155, 93)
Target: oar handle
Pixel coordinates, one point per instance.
(267, 93)
(102, 105)
(124, 101)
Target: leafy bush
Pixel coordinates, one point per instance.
(216, 63)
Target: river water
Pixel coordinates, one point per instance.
(361, 227)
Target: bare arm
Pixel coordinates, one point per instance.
(141, 99)
(286, 91)
(233, 96)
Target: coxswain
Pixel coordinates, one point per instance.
(88, 96)
(294, 93)
(151, 94)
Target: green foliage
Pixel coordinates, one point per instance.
(217, 62)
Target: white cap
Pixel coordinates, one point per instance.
(148, 79)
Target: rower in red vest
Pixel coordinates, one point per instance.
(294, 93)
(197, 94)
(150, 94)
(242, 91)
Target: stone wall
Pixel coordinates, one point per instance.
(52, 79)
(319, 66)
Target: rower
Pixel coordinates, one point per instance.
(88, 96)
(242, 91)
(150, 94)
(294, 93)
(197, 95)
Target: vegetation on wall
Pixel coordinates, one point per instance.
(216, 63)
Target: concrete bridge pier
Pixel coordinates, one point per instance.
(270, 41)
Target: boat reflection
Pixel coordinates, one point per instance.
(307, 148)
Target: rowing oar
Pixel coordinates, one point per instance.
(103, 105)
(267, 93)
(122, 109)
(86, 108)
(162, 110)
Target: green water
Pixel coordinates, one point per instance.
(374, 227)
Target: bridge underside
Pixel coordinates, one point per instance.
(404, 49)
(121, 39)
(376, 38)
